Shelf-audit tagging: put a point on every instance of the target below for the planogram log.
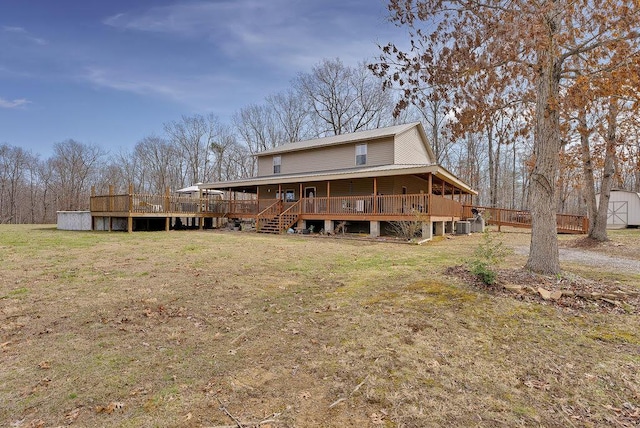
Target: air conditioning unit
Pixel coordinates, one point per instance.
(463, 228)
(477, 224)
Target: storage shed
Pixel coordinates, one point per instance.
(624, 209)
(74, 220)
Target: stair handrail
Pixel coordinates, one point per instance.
(286, 213)
(271, 211)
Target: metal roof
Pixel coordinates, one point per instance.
(334, 140)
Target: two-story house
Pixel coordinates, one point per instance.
(365, 179)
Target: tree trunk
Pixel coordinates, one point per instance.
(587, 169)
(599, 232)
(513, 178)
(543, 254)
(492, 177)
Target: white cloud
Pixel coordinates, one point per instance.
(187, 90)
(21, 32)
(282, 33)
(19, 103)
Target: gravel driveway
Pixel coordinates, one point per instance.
(589, 258)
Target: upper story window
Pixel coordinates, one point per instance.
(361, 154)
(277, 160)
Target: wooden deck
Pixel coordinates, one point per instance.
(350, 208)
(275, 215)
(567, 223)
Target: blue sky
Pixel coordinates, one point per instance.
(110, 72)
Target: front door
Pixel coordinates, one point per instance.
(310, 194)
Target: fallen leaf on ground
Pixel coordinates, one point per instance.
(377, 419)
(114, 405)
(72, 415)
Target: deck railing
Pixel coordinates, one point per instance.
(566, 223)
(389, 205)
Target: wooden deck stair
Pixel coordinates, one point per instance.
(275, 224)
(270, 225)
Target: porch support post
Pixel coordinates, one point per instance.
(129, 224)
(301, 200)
(200, 210)
(111, 199)
(328, 207)
(328, 226)
(374, 229)
(448, 226)
(375, 195)
(429, 192)
(439, 228)
(427, 230)
(167, 224)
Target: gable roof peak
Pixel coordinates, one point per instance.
(354, 137)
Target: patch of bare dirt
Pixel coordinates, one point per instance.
(570, 292)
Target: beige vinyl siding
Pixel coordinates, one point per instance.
(358, 187)
(413, 184)
(265, 165)
(385, 186)
(379, 152)
(410, 150)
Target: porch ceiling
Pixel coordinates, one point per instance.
(250, 185)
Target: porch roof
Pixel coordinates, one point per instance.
(344, 174)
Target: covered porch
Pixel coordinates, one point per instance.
(274, 204)
(428, 194)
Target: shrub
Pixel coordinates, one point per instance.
(489, 253)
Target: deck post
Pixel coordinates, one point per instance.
(300, 199)
(328, 226)
(167, 208)
(375, 195)
(439, 228)
(499, 215)
(585, 224)
(427, 230)
(111, 201)
(374, 229)
(429, 192)
(200, 210)
(129, 224)
(167, 224)
(232, 207)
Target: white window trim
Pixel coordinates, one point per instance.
(277, 162)
(360, 148)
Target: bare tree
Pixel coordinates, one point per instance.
(14, 166)
(156, 157)
(291, 114)
(73, 164)
(192, 137)
(343, 99)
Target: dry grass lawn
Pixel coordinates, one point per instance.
(206, 329)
